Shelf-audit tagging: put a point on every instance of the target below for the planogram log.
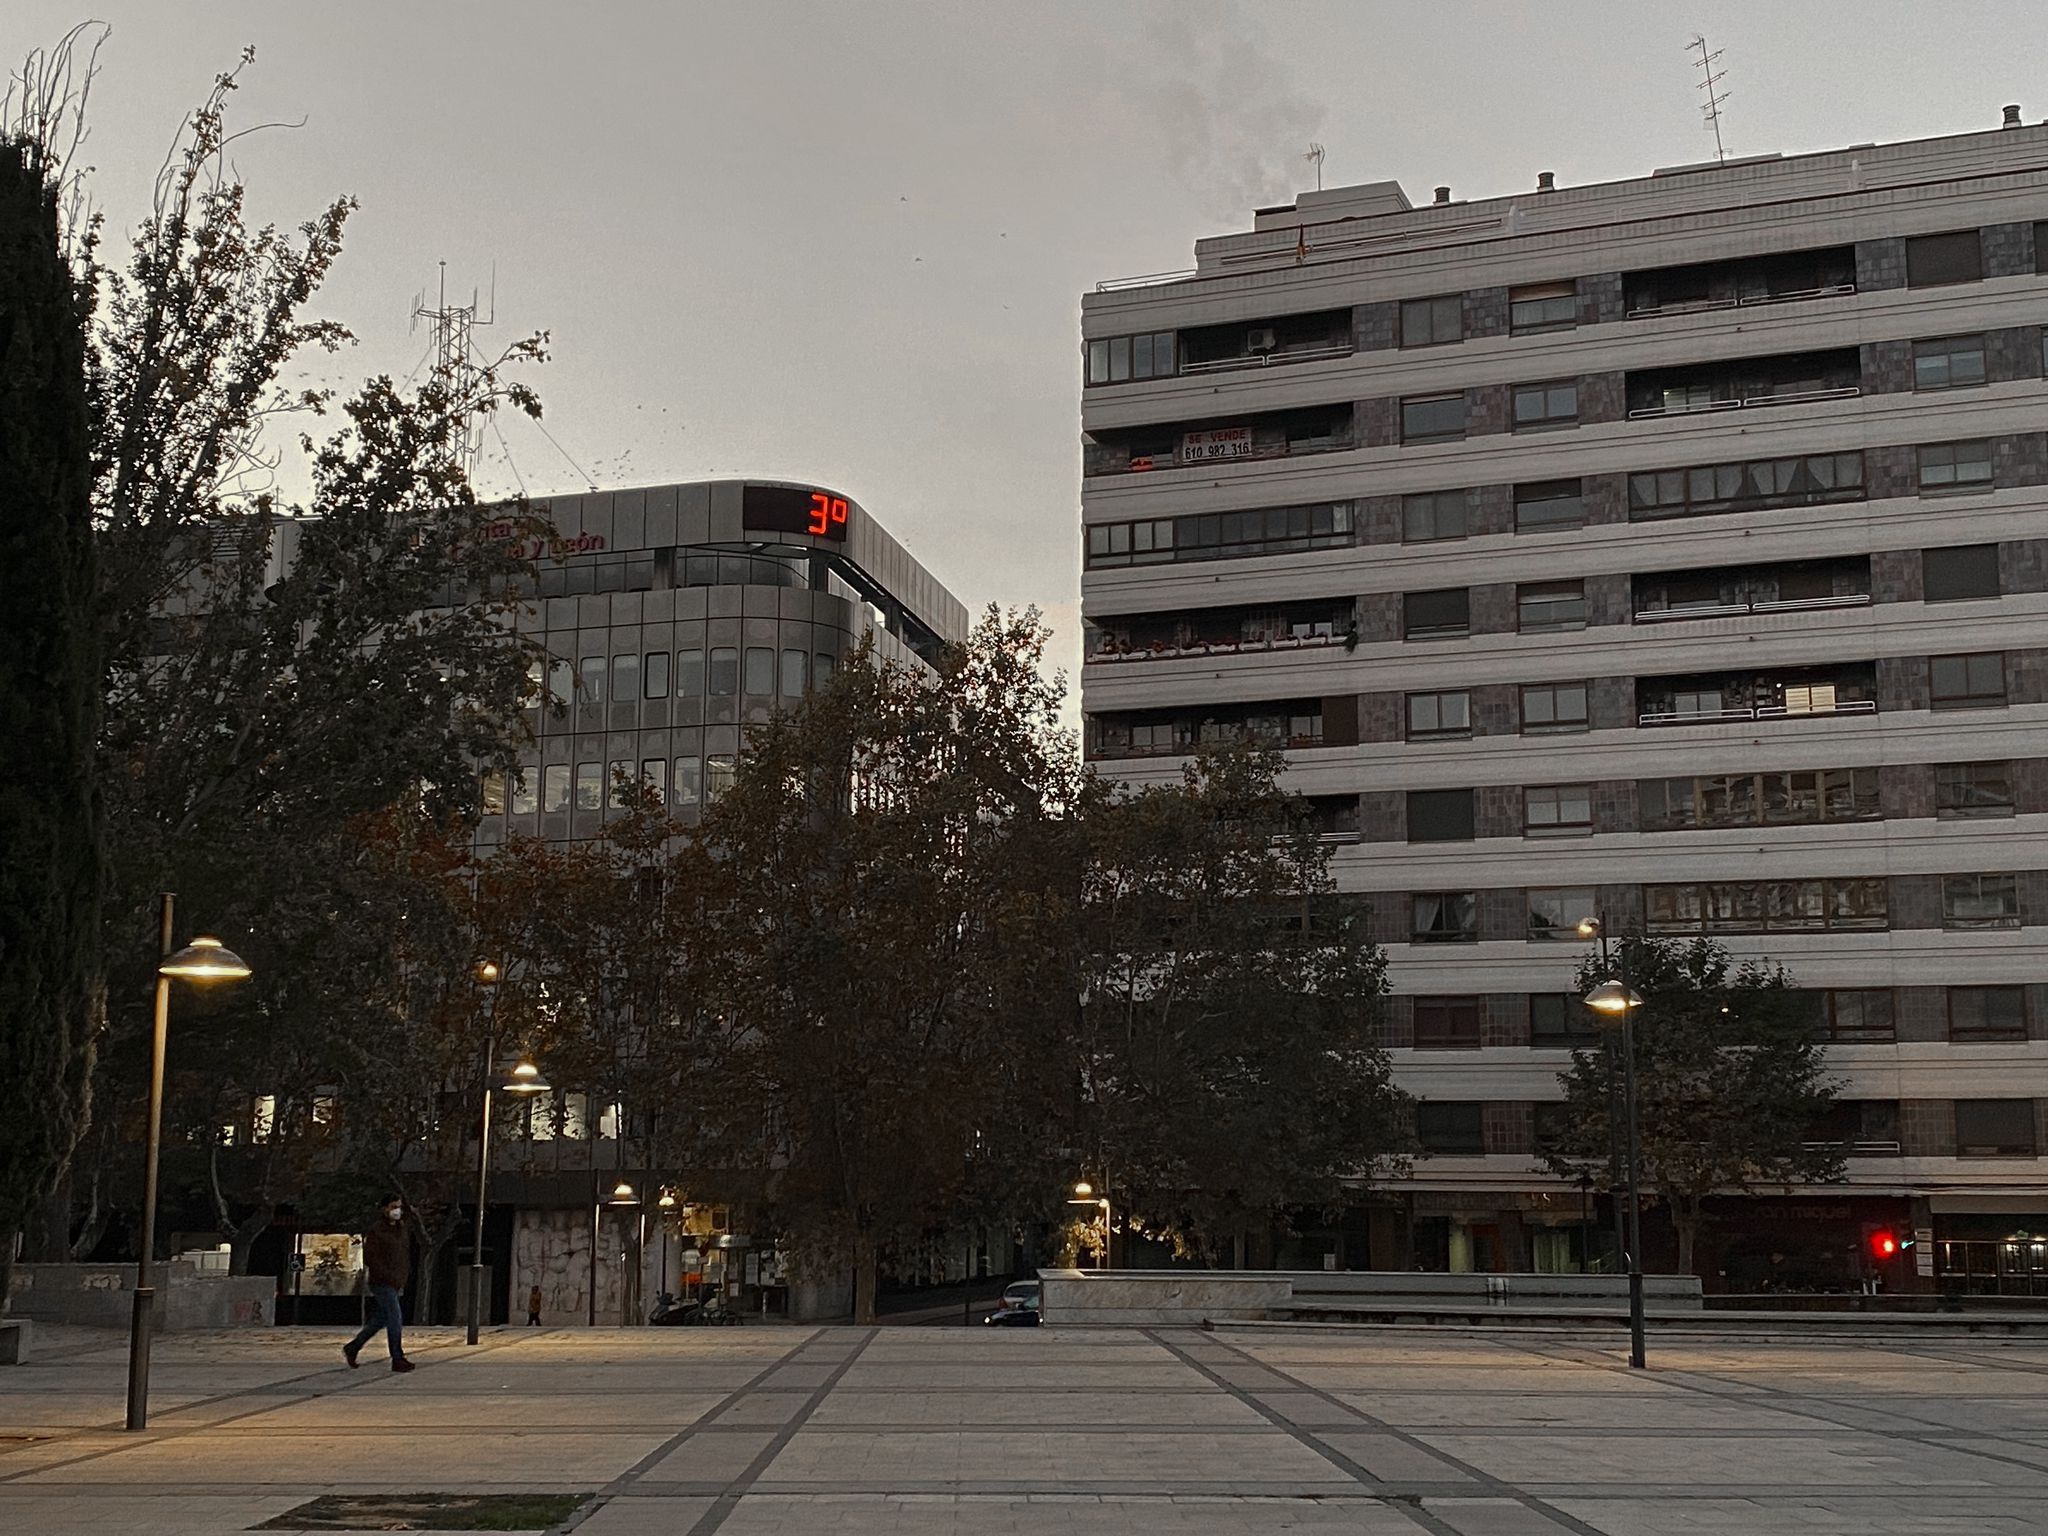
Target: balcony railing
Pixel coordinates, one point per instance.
(1736, 610)
(1268, 359)
(1746, 402)
(1187, 748)
(1162, 651)
(1696, 306)
(1857, 1148)
(1759, 712)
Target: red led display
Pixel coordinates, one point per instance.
(826, 513)
(793, 509)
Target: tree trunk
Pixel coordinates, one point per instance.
(866, 1275)
(1685, 1220)
(48, 1237)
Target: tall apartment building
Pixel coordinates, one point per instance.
(1675, 549)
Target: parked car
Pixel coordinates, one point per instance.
(1018, 1307)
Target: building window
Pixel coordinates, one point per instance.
(1554, 810)
(1446, 1129)
(1555, 404)
(725, 671)
(1549, 504)
(1967, 682)
(1557, 913)
(689, 674)
(492, 801)
(561, 682)
(555, 787)
(526, 792)
(626, 678)
(1433, 515)
(1953, 362)
(1118, 359)
(1958, 572)
(1766, 906)
(1950, 466)
(1560, 1018)
(1986, 1013)
(1788, 797)
(1220, 535)
(1543, 605)
(1543, 307)
(590, 680)
(1440, 816)
(654, 778)
(654, 674)
(760, 679)
(1745, 486)
(1432, 322)
(2041, 250)
(720, 768)
(1439, 714)
(1554, 708)
(1447, 1023)
(1436, 615)
(1444, 917)
(1992, 1127)
(1980, 901)
(618, 778)
(1433, 418)
(822, 667)
(796, 673)
(590, 786)
(1963, 791)
(689, 781)
(1859, 1015)
(1932, 260)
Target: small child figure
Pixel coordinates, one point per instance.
(533, 1307)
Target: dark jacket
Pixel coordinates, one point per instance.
(387, 1254)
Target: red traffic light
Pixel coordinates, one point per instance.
(1884, 1245)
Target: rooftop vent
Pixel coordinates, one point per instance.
(2012, 116)
(1546, 181)
(1443, 194)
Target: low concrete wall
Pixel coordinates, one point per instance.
(102, 1296)
(1146, 1298)
(1141, 1298)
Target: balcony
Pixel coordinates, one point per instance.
(1850, 689)
(1273, 435)
(1222, 632)
(1284, 724)
(1782, 278)
(1786, 587)
(1745, 384)
(1267, 343)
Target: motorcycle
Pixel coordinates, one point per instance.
(672, 1311)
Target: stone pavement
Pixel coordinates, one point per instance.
(767, 1431)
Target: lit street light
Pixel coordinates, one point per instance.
(1084, 1194)
(1614, 1003)
(525, 1078)
(205, 959)
(622, 1194)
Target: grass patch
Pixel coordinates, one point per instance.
(429, 1512)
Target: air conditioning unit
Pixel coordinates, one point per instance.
(1261, 340)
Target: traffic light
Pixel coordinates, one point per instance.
(1883, 1245)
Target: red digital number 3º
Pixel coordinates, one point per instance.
(825, 511)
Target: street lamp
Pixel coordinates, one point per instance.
(1084, 1194)
(487, 979)
(1614, 1003)
(665, 1203)
(205, 959)
(622, 1194)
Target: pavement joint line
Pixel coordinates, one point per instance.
(1499, 1487)
(728, 1501)
(1355, 1470)
(150, 1437)
(623, 1483)
(1915, 1436)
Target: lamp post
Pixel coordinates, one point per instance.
(204, 959)
(1615, 1002)
(1084, 1194)
(622, 1194)
(664, 1204)
(487, 979)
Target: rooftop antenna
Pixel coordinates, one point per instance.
(455, 361)
(1315, 153)
(1710, 78)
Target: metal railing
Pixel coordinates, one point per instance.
(1267, 359)
(1701, 306)
(1760, 712)
(1165, 652)
(1858, 1148)
(1736, 610)
(1748, 402)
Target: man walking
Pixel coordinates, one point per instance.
(387, 1260)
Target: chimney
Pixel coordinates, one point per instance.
(1443, 194)
(2012, 116)
(1546, 181)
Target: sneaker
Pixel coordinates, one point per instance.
(348, 1353)
(402, 1364)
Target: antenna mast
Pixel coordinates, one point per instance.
(1315, 153)
(1710, 79)
(455, 360)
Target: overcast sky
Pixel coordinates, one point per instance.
(845, 240)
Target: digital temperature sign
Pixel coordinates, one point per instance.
(792, 509)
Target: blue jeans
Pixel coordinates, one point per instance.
(385, 1310)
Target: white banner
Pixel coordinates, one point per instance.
(1222, 443)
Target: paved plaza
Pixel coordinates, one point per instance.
(754, 1431)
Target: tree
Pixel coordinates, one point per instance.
(1227, 1048)
(1731, 1078)
(891, 918)
(52, 995)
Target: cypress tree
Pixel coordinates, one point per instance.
(52, 994)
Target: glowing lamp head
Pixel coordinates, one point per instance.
(204, 959)
(525, 1078)
(1612, 1000)
(622, 1194)
(487, 972)
(668, 1200)
(1588, 928)
(1084, 1189)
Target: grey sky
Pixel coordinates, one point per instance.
(844, 240)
